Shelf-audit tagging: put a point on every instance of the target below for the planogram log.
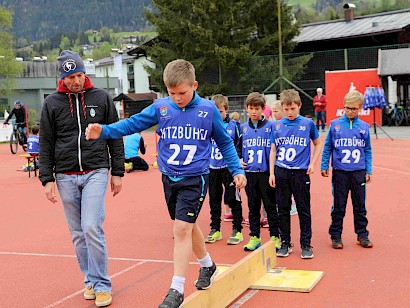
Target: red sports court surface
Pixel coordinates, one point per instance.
(38, 267)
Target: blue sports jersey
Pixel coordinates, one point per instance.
(132, 145)
(217, 160)
(184, 146)
(348, 142)
(292, 142)
(256, 145)
(32, 144)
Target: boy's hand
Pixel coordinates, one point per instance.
(243, 164)
(368, 178)
(272, 180)
(240, 180)
(325, 173)
(311, 169)
(93, 131)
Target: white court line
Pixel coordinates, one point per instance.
(82, 290)
(406, 173)
(244, 299)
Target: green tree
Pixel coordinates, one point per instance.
(9, 67)
(103, 51)
(65, 43)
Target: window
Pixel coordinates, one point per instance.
(130, 69)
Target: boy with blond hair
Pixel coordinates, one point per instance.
(256, 147)
(186, 124)
(220, 178)
(290, 167)
(348, 143)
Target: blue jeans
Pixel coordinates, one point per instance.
(320, 115)
(83, 202)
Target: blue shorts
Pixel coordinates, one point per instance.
(185, 198)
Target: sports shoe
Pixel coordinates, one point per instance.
(337, 243)
(174, 299)
(307, 252)
(206, 277)
(236, 237)
(364, 242)
(103, 299)
(89, 293)
(284, 250)
(276, 240)
(228, 217)
(214, 236)
(293, 210)
(245, 221)
(128, 167)
(253, 243)
(264, 223)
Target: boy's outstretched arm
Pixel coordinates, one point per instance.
(93, 131)
(316, 153)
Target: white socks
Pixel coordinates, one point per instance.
(178, 284)
(205, 261)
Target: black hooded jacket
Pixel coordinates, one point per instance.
(64, 118)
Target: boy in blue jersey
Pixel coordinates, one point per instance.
(33, 140)
(290, 167)
(256, 147)
(348, 142)
(220, 178)
(132, 144)
(186, 124)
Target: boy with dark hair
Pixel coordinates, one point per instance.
(290, 167)
(186, 124)
(256, 148)
(33, 140)
(220, 178)
(132, 144)
(348, 142)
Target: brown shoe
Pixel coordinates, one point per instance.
(103, 299)
(89, 293)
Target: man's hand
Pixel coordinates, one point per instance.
(93, 131)
(50, 189)
(324, 173)
(116, 185)
(240, 180)
(5, 124)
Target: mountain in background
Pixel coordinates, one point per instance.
(41, 19)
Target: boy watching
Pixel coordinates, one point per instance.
(255, 142)
(348, 142)
(220, 178)
(186, 124)
(290, 167)
(33, 140)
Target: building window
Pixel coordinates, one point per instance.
(132, 84)
(130, 69)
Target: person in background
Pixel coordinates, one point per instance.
(319, 102)
(19, 111)
(348, 143)
(33, 140)
(132, 144)
(80, 167)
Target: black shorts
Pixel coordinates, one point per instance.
(185, 198)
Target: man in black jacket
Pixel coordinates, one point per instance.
(80, 167)
(19, 111)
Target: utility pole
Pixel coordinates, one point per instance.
(280, 47)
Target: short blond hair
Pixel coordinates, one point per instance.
(287, 97)
(256, 99)
(354, 97)
(177, 72)
(221, 101)
(235, 116)
(276, 105)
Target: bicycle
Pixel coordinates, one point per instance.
(17, 138)
(397, 116)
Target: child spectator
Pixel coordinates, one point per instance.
(220, 178)
(132, 144)
(255, 142)
(290, 167)
(186, 124)
(348, 143)
(33, 140)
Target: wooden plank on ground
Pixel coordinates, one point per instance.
(235, 280)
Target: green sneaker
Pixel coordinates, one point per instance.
(276, 240)
(253, 244)
(214, 236)
(235, 238)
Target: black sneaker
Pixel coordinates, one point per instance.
(174, 299)
(284, 250)
(337, 243)
(364, 242)
(307, 252)
(206, 277)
